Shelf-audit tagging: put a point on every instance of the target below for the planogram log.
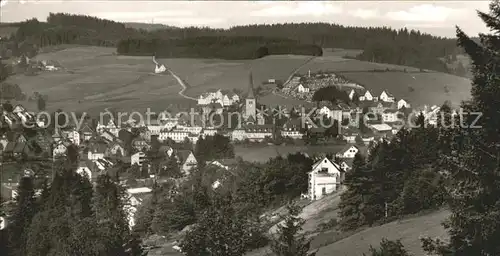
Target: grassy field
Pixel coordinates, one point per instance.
(408, 230)
(418, 87)
(204, 74)
(94, 78)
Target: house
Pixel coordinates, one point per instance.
(140, 144)
(352, 93)
(350, 135)
(348, 152)
(84, 170)
(96, 151)
(366, 97)
(108, 135)
(137, 158)
(258, 132)
(187, 160)
(303, 88)
(386, 97)
(324, 178)
(73, 136)
(381, 129)
(60, 150)
(135, 198)
(86, 132)
(293, 129)
(390, 116)
(403, 104)
(346, 164)
(116, 149)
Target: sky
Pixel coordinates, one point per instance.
(434, 17)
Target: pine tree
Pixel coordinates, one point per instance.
(109, 208)
(474, 225)
(23, 213)
(351, 200)
(288, 241)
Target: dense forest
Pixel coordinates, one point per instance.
(384, 45)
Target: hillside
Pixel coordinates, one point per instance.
(382, 45)
(409, 230)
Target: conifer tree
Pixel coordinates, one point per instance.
(352, 199)
(474, 225)
(109, 208)
(289, 241)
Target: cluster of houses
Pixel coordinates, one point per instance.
(218, 98)
(304, 87)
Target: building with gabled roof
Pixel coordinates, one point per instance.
(325, 177)
(349, 151)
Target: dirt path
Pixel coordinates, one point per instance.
(182, 84)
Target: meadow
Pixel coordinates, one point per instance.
(94, 78)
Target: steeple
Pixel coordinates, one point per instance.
(250, 87)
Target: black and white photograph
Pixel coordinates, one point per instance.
(249, 128)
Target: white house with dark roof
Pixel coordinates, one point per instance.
(386, 97)
(324, 178)
(187, 160)
(348, 152)
(303, 88)
(403, 103)
(366, 97)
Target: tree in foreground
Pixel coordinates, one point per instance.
(473, 163)
(219, 232)
(389, 248)
(288, 241)
(23, 213)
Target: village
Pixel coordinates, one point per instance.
(102, 145)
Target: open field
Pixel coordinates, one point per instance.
(204, 74)
(94, 78)
(418, 87)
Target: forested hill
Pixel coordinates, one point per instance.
(385, 45)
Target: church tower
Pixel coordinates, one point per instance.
(250, 108)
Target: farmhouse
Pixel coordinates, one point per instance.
(324, 178)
